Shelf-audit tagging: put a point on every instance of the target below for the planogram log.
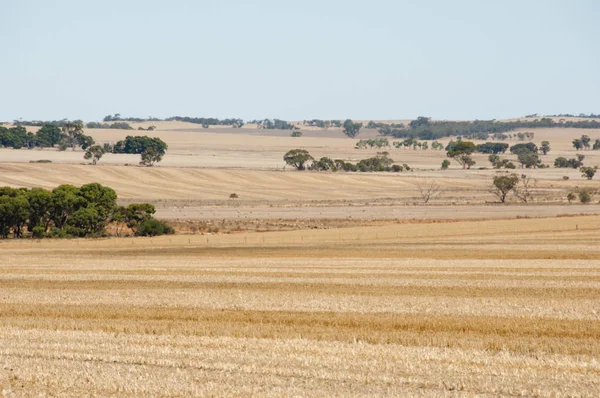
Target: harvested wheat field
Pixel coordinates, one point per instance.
(475, 308)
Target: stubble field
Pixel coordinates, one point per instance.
(457, 297)
(465, 308)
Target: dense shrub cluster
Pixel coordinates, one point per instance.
(139, 144)
(574, 163)
(68, 211)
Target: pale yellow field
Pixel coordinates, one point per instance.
(453, 309)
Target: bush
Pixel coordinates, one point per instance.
(40, 161)
(445, 164)
(296, 133)
(154, 227)
(38, 232)
(585, 197)
(397, 168)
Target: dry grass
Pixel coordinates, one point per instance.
(465, 308)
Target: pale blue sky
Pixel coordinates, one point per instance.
(322, 59)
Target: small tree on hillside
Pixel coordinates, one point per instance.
(298, 158)
(95, 153)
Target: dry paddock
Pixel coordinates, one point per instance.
(478, 308)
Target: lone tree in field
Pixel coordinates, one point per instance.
(461, 152)
(588, 172)
(429, 190)
(151, 156)
(351, 129)
(95, 153)
(503, 185)
(298, 158)
(523, 190)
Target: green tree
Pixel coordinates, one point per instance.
(545, 147)
(577, 144)
(103, 199)
(95, 153)
(86, 221)
(71, 133)
(298, 158)
(14, 213)
(529, 160)
(352, 129)
(137, 213)
(40, 205)
(445, 164)
(461, 152)
(503, 184)
(588, 172)
(153, 227)
(324, 164)
(64, 202)
(585, 141)
(151, 156)
(585, 196)
(49, 135)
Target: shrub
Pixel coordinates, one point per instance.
(585, 196)
(445, 164)
(233, 196)
(154, 227)
(296, 133)
(38, 232)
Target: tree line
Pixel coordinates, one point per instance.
(301, 159)
(151, 150)
(426, 129)
(69, 211)
(406, 144)
(69, 135)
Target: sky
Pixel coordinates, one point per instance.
(326, 59)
